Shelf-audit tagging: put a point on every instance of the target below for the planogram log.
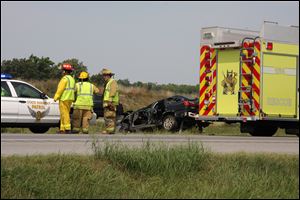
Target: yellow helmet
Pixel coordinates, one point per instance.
(83, 75)
(106, 72)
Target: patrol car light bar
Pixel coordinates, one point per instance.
(6, 76)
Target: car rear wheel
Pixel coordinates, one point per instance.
(39, 129)
(170, 123)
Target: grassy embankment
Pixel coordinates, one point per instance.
(153, 171)
(213, 129)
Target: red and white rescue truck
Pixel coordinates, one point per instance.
(250, 77)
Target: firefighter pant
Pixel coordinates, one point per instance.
(81, 119)
(64, 108)
(110, 119)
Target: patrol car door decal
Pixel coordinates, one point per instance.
(38, 115)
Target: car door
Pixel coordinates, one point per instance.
(157, 111)
(9, 104)
(34, 107)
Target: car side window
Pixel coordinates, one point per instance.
(5, 91)
(171, 101)
(177, 99)
(26, 91)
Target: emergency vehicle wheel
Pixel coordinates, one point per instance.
(170, 123)
(264, 131)
(39, 129)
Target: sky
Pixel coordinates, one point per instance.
(140, 41)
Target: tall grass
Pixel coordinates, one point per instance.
(58, 176)
(154, 159)
(151, 172)
(256, 176)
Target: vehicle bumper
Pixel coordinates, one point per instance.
(222, 118)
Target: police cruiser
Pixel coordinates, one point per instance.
(23, 105)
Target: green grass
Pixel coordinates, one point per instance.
(93, 129)
(220, 128)
(217, 128)
(153, 171)
(154, 159)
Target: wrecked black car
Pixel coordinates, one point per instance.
(98, 106)
(169, 114)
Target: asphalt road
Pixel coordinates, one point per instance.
(29, 144)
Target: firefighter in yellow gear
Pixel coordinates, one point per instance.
(65, 95)
(83, 106)
(110, 101)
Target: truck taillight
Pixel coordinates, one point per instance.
(270, 46)
(207, 56)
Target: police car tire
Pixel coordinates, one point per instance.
(39, 129)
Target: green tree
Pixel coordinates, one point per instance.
(138, 84)
(31, 68)
(124, 82)
(97, 79)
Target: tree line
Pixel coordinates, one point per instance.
(188, 89)
(36, 68)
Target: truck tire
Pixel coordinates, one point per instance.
(39, 129)
(292, 131)
(266, 131)
(170, 123)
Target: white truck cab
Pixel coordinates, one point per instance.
(23, 105)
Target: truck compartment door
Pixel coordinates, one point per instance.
(228, 82)
(279, 85)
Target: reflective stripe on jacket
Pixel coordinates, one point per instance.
(84, 98)
(107, 96)
(68, 93)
